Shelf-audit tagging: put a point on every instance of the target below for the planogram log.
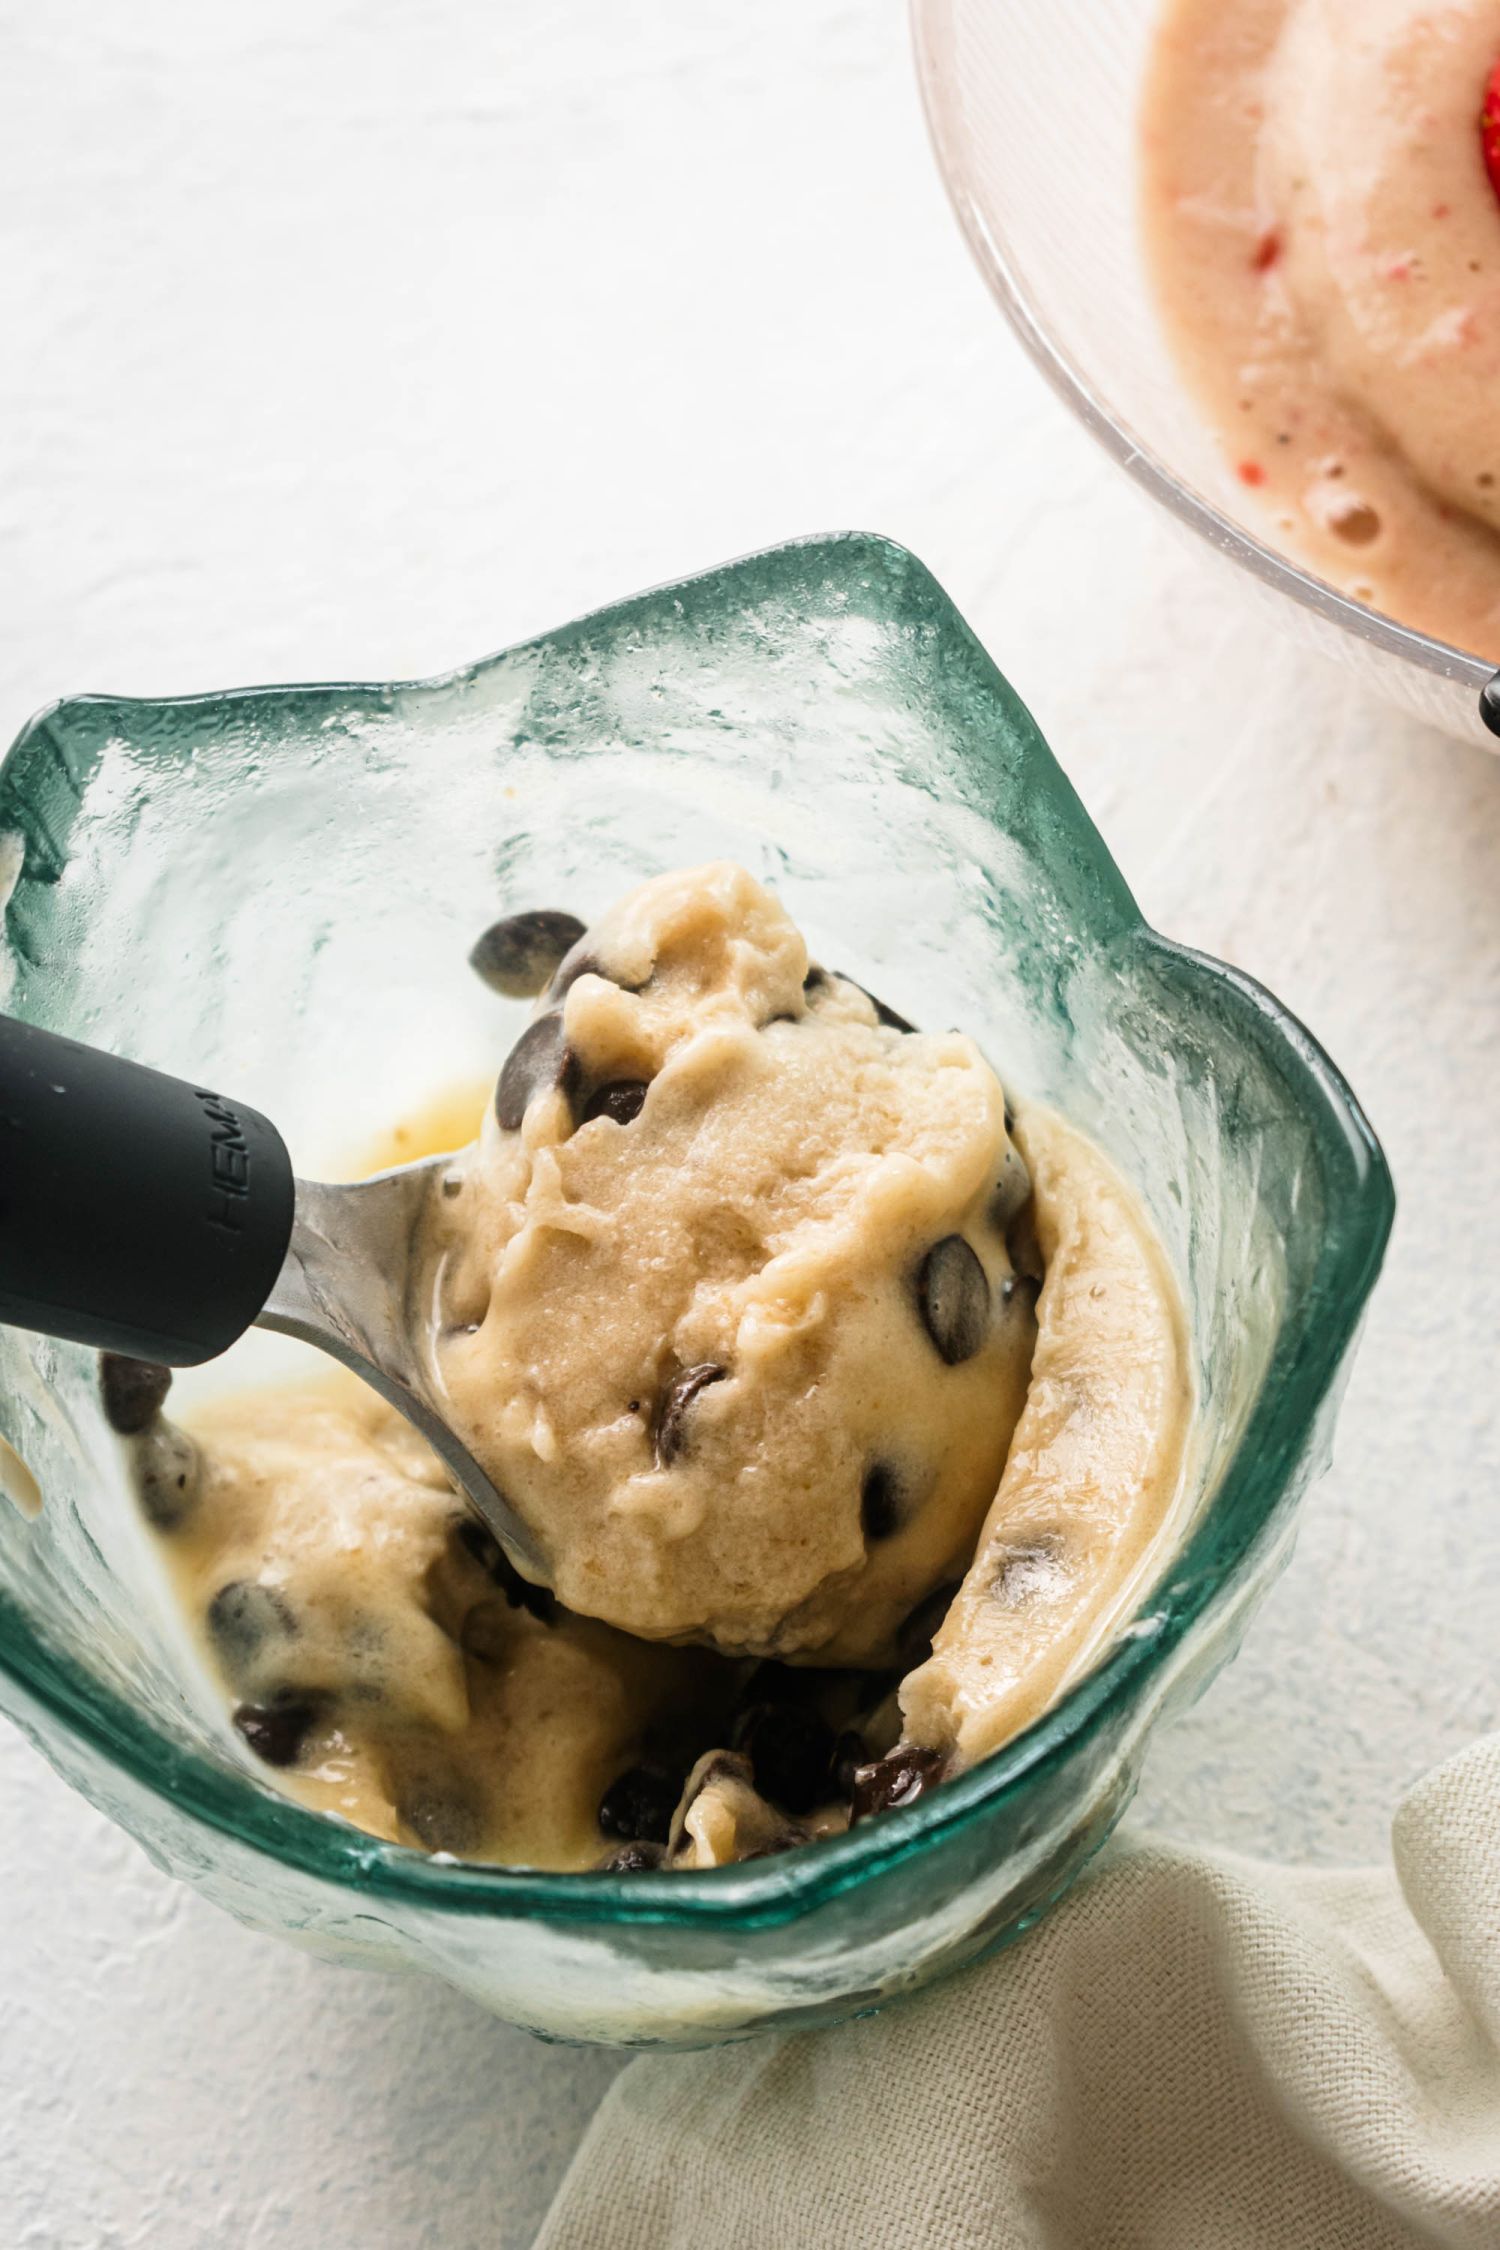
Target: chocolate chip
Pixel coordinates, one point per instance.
(581, 962)
(243, 1620)
(872, 1688)
(790, 1748)
(676, 1739)
(953, 1298)
(888, 1016)
(879, 1501)
(849, 1753)
(823, 1688)
(540, 1059)
(914, 1641)
(578, 964)
(1012, 1190)
(639, 1805)
(775, 1682)
(632, 1859)
(166, 1479)
(883, 1014)
(443, 1816)
(518, 954)
(276, 1731)
(133, 1391)
(899, 1778)
(816, 980)
(670, 1433)
(622, 1100)
(477, 1538)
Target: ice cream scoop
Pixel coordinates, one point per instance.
(723, 1323)
(151, 1217)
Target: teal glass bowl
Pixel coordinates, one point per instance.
(276, 890)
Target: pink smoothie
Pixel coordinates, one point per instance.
(1325, 244)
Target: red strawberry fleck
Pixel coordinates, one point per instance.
(1489, 128)
(1250, 472)
(1267, 250)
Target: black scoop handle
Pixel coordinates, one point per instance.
(138, 1213)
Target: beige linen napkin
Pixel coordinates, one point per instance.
(1194, 2052)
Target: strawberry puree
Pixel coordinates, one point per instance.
(1323, 228)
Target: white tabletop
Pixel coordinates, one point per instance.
(359, 340)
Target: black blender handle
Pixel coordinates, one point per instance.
(138, 1213)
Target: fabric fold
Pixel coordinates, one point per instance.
(1193, 2052)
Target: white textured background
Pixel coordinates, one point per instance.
(359, 339)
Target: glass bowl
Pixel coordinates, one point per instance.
(276, 890)
(1033, 107)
